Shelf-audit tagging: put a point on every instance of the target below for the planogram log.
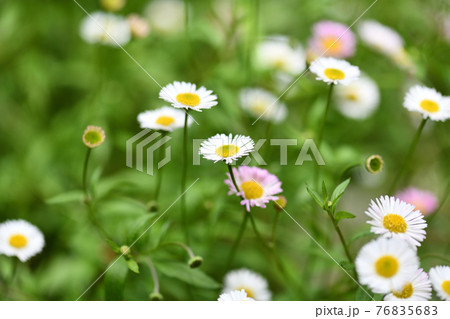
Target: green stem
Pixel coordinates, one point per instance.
(85, 169)
(274, 228)
(341, 238)
(441, 204)
(185, 247)
(408, 156)
(183, 180)
(237, 240)
(443, 258)
(160, 175)
(324, 117)
(230, 170)
(154, 276)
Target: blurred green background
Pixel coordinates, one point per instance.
(53, 84)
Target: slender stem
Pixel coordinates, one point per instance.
(230, 169)
(324, 118)
(183, 180)
(85, 169)
(441, 204)
(408, 156)
(274, 227)
(154, 276)
(341, 238)
(185, 247)
(237, 240)
(160, 175)
(437, 256)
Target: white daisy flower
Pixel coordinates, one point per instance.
(263, 104)
(386, 264)
(440, 278)
(276, 53)
(392, 217)
(21, 239)
(221, 147)
(112, 27)
(252, 283)
(427, 101)
(417, 288)
(235, 295)
(185, 95)
(380, 37)
(359, 99)
(165, 119)
(331, 70)
(166, 16)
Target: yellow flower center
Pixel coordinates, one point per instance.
(248, 291)
(165, 120)
(227, 150)
(334, 74)
(352, 97)
(429, 106)
(406, 292)
(18, 241)
(395, 223)
(252, 190)
(386, 266)
(331, 48)
(446, 286)
(189, 99)
(259, 107)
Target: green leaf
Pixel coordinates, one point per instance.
(113, 245)
(132, 265)
(315, 196)
(339, 190)
(324, 192)
(363, 233)
(69, 197)
(342, 215)
(181, 271)
(115, 280)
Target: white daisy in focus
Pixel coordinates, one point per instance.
(21, 239)
(380, 38)
(331, 70)
(427, 101)
(105, 28)
(165, 119)
(252, 283)
(166, 16)
(440, 278)
(235, 295)
(225, 148)
(418, 288)
(359, 99)
(386, 264)
(392, 217)
(263, 104)
(276, 53)
(185, 95)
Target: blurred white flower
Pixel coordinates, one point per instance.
(427, 101)
(276, 53)
(380, 37)
(235, 295)
(359, 99)
(21, 239)
(263, 104)
(139, 27)
(105, 28)
(331, 70)
(165, 118)
(166, 16)
(254, 284)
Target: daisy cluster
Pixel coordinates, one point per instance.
(389, 265)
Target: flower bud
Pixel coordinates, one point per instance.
(280, 203)
(125, 250)
(374, 164)
(152, 206)
(112, 5)
(156, 296)
(195, 261)
(93, 136)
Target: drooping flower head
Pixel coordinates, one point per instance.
(276, 53)
(105, 28)
(391, 217)
(185, 95)
(252, 283)
(331, 70)
(257, 186)
(332, 39)
(417, 288)
(263, 104)
(235, 295)
(21, 239)
(427, 101)
(165, 118)
(424, 201)
(440, 278)
(226, 148)
(385, 265)
(93, 136)
(359, 99)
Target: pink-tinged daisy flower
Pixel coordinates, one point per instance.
(257, 186)
(391, 217)
(424, 201)
(332, 39)
(417, 288)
